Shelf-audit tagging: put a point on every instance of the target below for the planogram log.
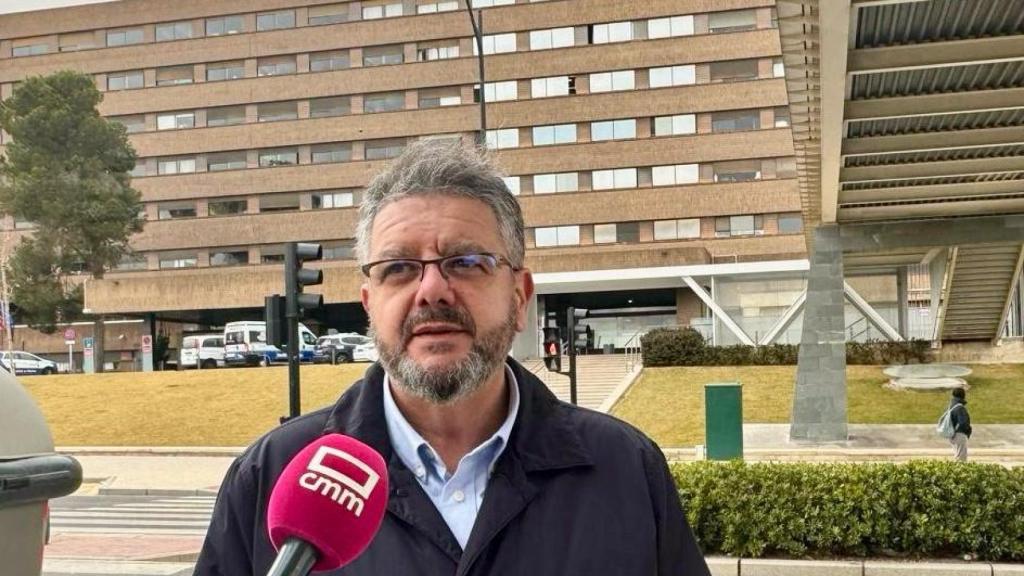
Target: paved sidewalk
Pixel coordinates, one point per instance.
(132, 473)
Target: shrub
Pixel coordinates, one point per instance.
(686, 347)
(920, 509)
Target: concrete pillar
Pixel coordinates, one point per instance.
(688, 306)
(819, 399)
(902, 318)
(527, 342)
(937, 276)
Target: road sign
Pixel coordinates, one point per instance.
(147, 353)
(147, 343)
(69, 334)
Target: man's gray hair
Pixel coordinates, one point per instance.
(436, 167)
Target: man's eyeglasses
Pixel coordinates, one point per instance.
(462, 267)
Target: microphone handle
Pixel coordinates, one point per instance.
(295, 558)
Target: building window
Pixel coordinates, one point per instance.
(384, 149)
(175, 75)
(554, 183)
(489, 3)
(512, 183)
(737, 171)
(324, 61)
(124, 37)
(675, 125)
(613, 32)
(747, 225)
(31, 50)
(224, 25)
(272, 254)
(178, 260)
(132, 261)
(791, 223)
(139, 169)
(132, 124)
(176, 120)
(677, 229)
(279, 157)
(238, 257)
(438, 97)
(382, 11)
(622, 232)
(226, 161)
(275, 20)
(279, 202)
(384, 102)
(497, 44)
(75, 41)
(228, 206)
(124, 80)
(383, 55)
(184, 165)
(552, 38)
(329, 14)
(734, 70)
(556, 236)
(732, 21)
(334, 152)
(429, 53)
(225, 116)
(781, 116)
(557, 134)
(333, 199)
(497, 91)
(275, 111)
(669, 27)
(613, 130)
(275, 66)
(612, 81)
(504, 138)
(735, 120)
(675, 174)
(673, 76)
(173, 31)
(614, 179)
(432, 7)
(172, 210)
(333, 106)
(343, 250)
(785, 167)
(552, 86)
(778, 68)
(225, 71)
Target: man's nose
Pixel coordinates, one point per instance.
(434, 288)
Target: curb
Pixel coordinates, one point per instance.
(104, 491)
(725, 566)
(212, 451)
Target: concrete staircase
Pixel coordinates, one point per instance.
(982, 281)
(601, 379)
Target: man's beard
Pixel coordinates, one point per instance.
(447, 384)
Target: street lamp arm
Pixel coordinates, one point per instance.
(477, 24)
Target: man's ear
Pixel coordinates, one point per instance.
(524, 294)
(364, 296)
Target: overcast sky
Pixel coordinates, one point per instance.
(23, 5)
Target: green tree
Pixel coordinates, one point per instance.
(67, 171)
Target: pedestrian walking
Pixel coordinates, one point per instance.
(961, 420)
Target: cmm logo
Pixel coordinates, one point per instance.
(331, 482)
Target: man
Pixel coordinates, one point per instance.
(961, 424)
(489, 473)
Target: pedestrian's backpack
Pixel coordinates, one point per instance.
(945, 426)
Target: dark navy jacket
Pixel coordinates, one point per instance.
(576, 492)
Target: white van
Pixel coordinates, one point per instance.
(245, 343)
(202, 351)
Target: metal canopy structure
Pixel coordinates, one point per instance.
(908, 112)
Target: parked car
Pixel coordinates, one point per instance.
(31, 474)
(202, 351)
(338, 348)
(245, 344)
(27, 363)
(366, 352)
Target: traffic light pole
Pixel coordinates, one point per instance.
(571, 323)
(291, 290)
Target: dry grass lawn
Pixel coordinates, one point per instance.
(223, 407)
(668, 403)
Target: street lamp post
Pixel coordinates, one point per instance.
(478, 24)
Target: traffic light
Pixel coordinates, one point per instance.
(578, 329)
(552, 349)
(296, 277)
(277, 322)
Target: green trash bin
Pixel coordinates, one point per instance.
(723, 420)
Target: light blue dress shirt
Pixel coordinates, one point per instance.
(457, 495)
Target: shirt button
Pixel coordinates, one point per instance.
(458, 496)
(421, 471)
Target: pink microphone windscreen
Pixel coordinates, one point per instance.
(332, 495)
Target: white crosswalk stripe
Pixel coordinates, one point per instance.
(167, 516)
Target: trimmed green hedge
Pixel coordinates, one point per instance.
(920, 509)
(686, 347)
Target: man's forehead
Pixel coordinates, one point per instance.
(445, 223)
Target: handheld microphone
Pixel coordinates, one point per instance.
(326, 506)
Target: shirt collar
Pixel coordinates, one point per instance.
(412, 448)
